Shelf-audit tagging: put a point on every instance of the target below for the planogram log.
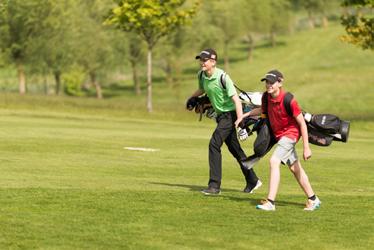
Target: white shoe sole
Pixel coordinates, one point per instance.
(258, 185)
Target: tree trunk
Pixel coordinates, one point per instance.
(311, 21)
(169, 72)
(226, 55)
(176, 80)
(325, 22)
(149, 79)
(99, 94)
(135, 77)
(57, 75)
(21, 78)
(250, 47)
(272, 39)
(45, 84)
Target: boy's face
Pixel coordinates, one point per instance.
(207, 64)
(273, 88)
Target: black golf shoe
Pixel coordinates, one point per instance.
(211, 191)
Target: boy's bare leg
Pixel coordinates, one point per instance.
(302, 178)
(274, 177)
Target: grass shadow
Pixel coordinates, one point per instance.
(193, 188)
(251, 200)
(256, 201)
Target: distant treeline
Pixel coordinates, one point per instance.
(70, 40)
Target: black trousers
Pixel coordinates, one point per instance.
(226, 132)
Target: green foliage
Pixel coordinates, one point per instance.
(151, 20)
(256, 16)
(73, 80)
(279, 16)
(202, 34)
(93, 40)
(19, 25)
(359, 23)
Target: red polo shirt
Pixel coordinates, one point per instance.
(281, 123)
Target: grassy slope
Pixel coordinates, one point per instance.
(325, 74)
(66, 181)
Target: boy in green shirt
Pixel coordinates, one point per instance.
(228, 107)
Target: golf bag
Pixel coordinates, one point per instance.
(202, 105)
(322, 130)
(325, 128)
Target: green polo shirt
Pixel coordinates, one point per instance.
(218, 96)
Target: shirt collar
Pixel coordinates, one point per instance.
(278, 98)
(214, 75)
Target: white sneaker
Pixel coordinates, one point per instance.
(258, 185)
(312, 205)
(266, 206)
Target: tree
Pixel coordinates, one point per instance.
(224, 17)
(172, 49)
(255, 17)
(20, 23)
(359, 23)
(151, 20)
(94, 42)
(316, 9)
(53, 49)
(135, 54)
(279, 18)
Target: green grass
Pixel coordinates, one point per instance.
(67, 182)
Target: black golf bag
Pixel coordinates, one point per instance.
(325, 128)
(322, 130)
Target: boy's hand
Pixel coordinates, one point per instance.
(307, 153)
(242, 134)
(238, 121)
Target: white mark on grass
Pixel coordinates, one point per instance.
(142, 149)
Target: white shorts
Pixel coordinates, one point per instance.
(285, 151)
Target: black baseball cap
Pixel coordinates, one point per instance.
(273, 76)
(207, 54)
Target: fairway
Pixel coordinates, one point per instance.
(99, 151)
(67, 182)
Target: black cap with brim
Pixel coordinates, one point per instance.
(207, 54)
(273, 76)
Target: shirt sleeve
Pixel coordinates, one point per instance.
(230, 88)
(295, 108)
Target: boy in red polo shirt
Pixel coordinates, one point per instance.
(287, 131)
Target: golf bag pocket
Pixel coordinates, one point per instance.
(264, 140)
(317, 138)
(330, 125)
(325, 122)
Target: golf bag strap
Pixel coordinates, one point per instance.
(222, 80)
(223, 84)
(201, 76)
(286, 103)
(264, 104)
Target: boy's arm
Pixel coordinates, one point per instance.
(304, 134)
(253, 112)
(198, 92)
(238, 108)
